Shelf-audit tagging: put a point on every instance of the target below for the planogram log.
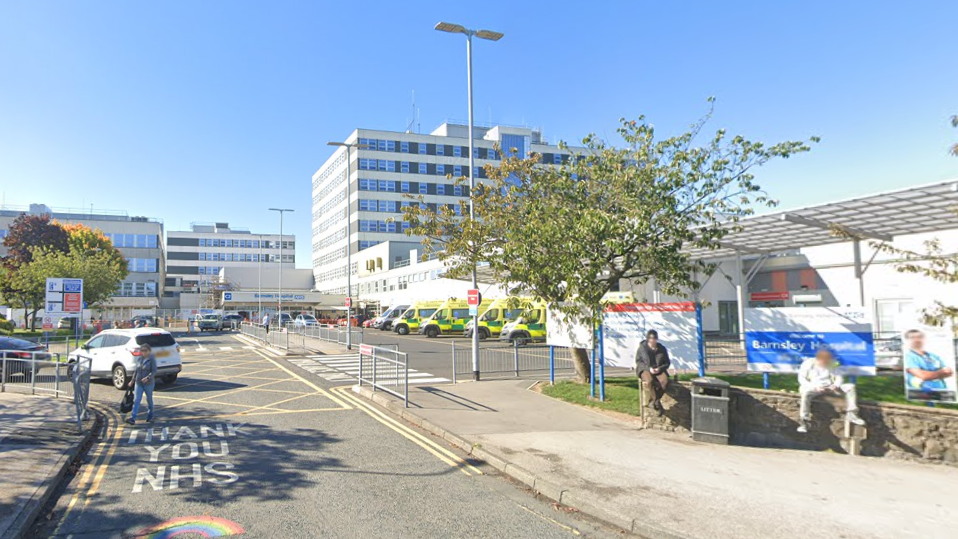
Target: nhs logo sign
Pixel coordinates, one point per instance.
(227, 296)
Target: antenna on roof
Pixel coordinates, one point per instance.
(415, 115)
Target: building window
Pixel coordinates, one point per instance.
(457, 170)
(457, 190)
(367, 205)
(388, 186)
(367, 185)
(404, 187)
(441, 170)
(557, 159)
(422, 148)
(404, 167)
(388, 206)
(390, 227)
(423, 188)
(457, 151)
(422, 168)
(367, 244)
(491, 154)
(457, 209)
(404, 146)
(440, 149)
(440, 189)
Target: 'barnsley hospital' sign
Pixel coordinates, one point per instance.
(779, 339)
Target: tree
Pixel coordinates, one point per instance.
(954, 147)
(568, 234)
(27, 233)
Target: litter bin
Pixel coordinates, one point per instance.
(710, 410)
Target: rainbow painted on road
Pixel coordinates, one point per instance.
(201, 526)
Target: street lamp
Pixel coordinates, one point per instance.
(349, 238)
(280, 302)
(491, 36)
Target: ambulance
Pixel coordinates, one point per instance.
(409, 321)
(531, 325)
(502, 311)
(450, 318)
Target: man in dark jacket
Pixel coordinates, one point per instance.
(652, 367)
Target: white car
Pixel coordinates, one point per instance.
(305, 320)
(115, 351)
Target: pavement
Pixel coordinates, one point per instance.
(38, 442)
(659, 484)
(248, 443)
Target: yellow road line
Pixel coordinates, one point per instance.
(442, 453)
(244, 414)
(270, 406)
(218, 395)
(95, 457)
(318, 389)
(114, 443)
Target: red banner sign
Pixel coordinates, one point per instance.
(769, 296)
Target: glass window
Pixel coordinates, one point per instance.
(388, 186)
(422, 148)
(457, 151)
(390, 165)
(404, 146)
(367, 205)
(457, 190)
(382, 164)
(441, 170)
(440, 149)
(423, 188)
(440, 189)
(557, 159)
(404, 187)
(404, 167)
(457, 170)
(422, 168)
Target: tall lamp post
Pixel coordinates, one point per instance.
(259, 295)
(349, 238)
(281, 211)
(491, 36)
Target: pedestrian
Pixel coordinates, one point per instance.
(652, 367)
(144, 380)
(818, 376)
(266, 322)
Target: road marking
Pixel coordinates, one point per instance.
(437, 450)
(226, 348)
(345, 367)
(318, 389)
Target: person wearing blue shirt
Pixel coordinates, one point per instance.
(924, 371)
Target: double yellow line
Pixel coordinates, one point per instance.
(441, 453)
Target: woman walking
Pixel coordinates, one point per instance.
(145, 379)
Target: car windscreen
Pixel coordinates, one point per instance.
(156, 340)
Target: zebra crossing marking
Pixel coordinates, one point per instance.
(345, 368)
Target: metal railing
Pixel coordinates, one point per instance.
(42, 373)
(385, 369)
(513, 359)
(272, 336)
(329, 333)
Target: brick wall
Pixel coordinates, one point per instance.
(769, 419)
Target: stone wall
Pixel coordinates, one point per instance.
(769, 419)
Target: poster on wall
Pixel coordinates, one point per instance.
(625, 325)
(928, 361)
(779, 339)
(565, 332)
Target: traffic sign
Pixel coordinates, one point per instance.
(349, 302)
(473, 310)
(473, 297)
(64, 296)
(47, 322)
(365, 349)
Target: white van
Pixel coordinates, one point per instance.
(384, 322)
(115, 352)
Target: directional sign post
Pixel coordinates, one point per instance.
(473, 297)
(349, 302)
(64, 296)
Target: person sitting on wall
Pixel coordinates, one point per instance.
(817, 377)
(652, 364)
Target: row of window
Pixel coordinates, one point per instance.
(424, 148)
(395, 206)
(245, 244)
(423, 188)
(329, 257)
(136, 290)
(399, 283)
(333, 219)
(329, 170)
(142, 265)
(367, 244)
(407, 167)
(389, 227)
(143, 241)
(330, 239)
(238, 257)
(333, 184)
(329, 204)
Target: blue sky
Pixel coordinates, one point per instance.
(216, 110)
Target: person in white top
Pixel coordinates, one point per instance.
(817, 377)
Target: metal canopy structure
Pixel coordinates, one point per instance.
(881, 217)
(929, 208)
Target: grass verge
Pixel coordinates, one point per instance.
(622, 394)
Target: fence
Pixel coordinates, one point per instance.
(511, 359)
(329, 333)
(385, 370)
(42, 373)
(278, 337)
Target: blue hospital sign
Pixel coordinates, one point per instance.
(227, 296)
(779, 339)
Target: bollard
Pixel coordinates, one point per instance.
(56, 381)
(552, 365)
(33, 377)
(374, 369)
(515, 355)
(454, 362)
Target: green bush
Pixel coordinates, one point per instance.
(6, 327)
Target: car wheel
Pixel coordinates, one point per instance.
(432, 332)
(120, 377)
(483, 334)
(169, 379)
(402, 330)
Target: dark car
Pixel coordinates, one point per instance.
(231, 321)
(11, 348)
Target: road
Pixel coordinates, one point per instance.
(247, 442)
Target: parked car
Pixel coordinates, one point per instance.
(114, 353)
(231, 321)
(12, 348)
(143, 320)
(68, 322)
(304, 320)
(210, 322)
(283, 320)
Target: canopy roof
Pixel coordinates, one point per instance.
(929, 208)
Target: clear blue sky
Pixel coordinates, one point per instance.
(216, 110)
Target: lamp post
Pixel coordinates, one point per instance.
(259, 295)
(491, 36)
(349, 238)
(281, 211)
